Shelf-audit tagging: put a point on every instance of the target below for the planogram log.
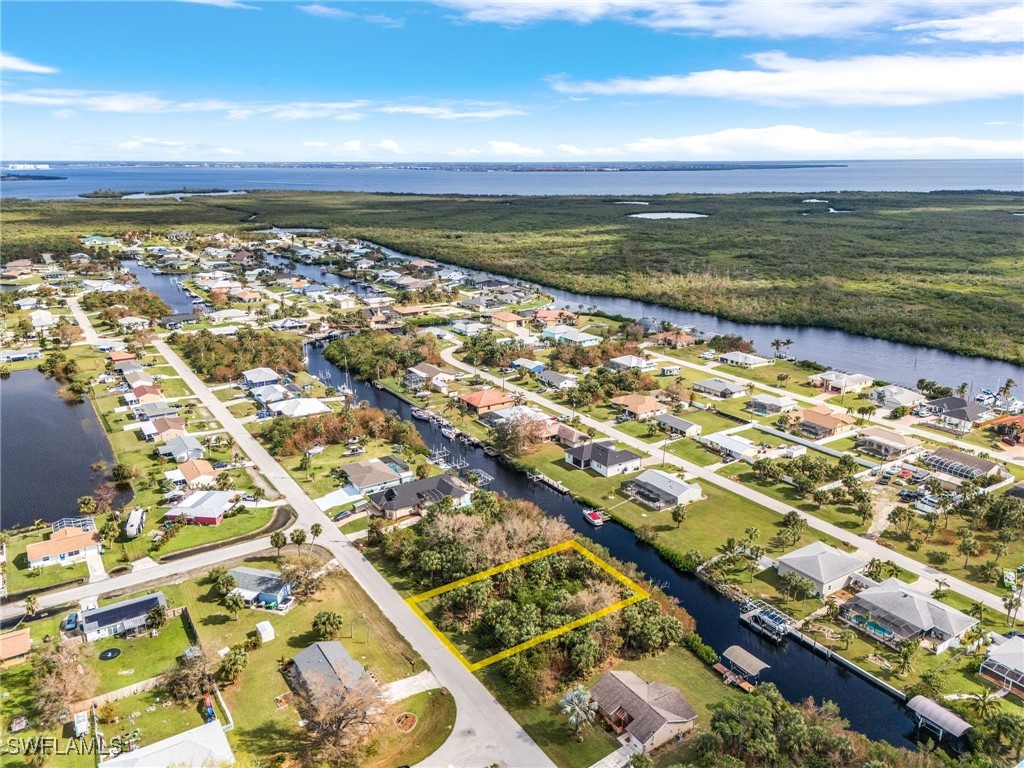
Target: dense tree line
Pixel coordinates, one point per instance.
(222, 359)
(139, 302)
(380, 354)
(287, 437)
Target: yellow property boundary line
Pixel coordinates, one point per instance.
(639, 593)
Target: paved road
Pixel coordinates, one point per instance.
(89, 334)
(867, 548)
(484, 732)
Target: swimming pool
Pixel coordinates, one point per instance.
(874, 626)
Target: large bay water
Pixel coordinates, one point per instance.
(866, 175)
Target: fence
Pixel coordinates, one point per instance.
(811, 444)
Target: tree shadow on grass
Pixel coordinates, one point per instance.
(304, 640)
(271, 738)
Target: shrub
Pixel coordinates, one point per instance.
(700, 649)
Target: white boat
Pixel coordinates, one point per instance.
(419, 413)
(448, 432)
(593, 517)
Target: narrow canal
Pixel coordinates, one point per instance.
(797, 671)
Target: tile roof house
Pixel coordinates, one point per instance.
(960, 464)
(640, 407)
(827, 567)
(66, 545)
(195, 473)
(650, 714)
(14, 646)
(604, 458)
(555, 317)
(485, 400)
(507, 320)
(820, 421)
(838, 381)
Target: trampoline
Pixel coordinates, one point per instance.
(109, 654)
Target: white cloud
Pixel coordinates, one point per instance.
(998, 122)
(228, 151)
(316, 144)
(570, 149)
(779, 79)
(999, 25)
(506, 148)
(148, 103)
(448, 113)
(792, 142)
(232, 5)
(734, 18)
(63, 114)
(11, 63)
(331, 12)
(388, 145)
(149, 141)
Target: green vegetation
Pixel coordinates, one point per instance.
(217, 358)
(435, 718)
(139, 302)
(379, 354)
(941, 269)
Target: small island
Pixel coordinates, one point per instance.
(30, 177)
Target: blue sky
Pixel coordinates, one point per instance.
(492, 80)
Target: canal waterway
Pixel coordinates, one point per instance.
(49, 447)
(797, 671)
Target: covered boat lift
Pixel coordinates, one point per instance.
(944, 722)
(743, 667)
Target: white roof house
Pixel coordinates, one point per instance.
(893, 396)
(732, 446)
(829, 568)
(570, 335)
(625, 362)
(661, 490)
(1004, 663)
(300, 407)
(838, 381)
(744, 359)
(132, 323)
(767, 404)
(271, 393)
(42, 319)
(199, 747)
(260, 377)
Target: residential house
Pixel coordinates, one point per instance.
(17, 355)
(67, 544)
(731, 446)
(958, 415)
(631, 362)
(640, 407)
(379, 318)
(507, 321)
(288, 324)
(745, 360)
(960, 464)
(885, 443)
(162, 429)
(469, 328)
(259, 377)
(1003, 665)
(244, 296)
(604, 458)
(894, 396)
(131, 324)
(182, 449)
(820, 421)
(342, 301)
(486, 400)
(14, 647)
(143, 394)
(720, 388)
(373, 475)
(258, 586)
(119, 618)
(660, 490)
(557, 381)
(140, 378)
(1016, 491)
(843, 383)
(300, 407)
(671, 370)
(150, 411)
(323, 667)
(128, 366)
(674, 339)
(767, 405)
(28, 303)
(646, 714)
(42, 319)
(414, 498)
(271, 393)
(892, 612)
(563, 334)
(195, 473)
(176, 321)
(536, 366)
(203, 507)
(227, 316)
(567, 436)
(829, 569)
(118, 356)
(549, 317)
(677, 426)
(426, 376)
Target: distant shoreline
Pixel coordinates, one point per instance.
(30, 177)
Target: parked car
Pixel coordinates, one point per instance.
(248, 497)
(71, 622)
(221, 465)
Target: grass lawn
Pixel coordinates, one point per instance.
(147, 656)
(435, 718)
(842, 515)
(599, 412)
(229, 393)
(709, 522)
(694, 452)
(241, 410)
(709, 421)
(640, 429)
(20, 577)
(175, 387)
(354, 526)
(584, 483)
(247, 520)
(319, 480)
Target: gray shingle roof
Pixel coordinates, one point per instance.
(327, 664)
(427, 491)
(821, 562)
(257, 580)
(650, 705)
(603, 452)
(896, 604)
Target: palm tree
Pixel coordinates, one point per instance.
(31, 605)
(1012, 604)
(578, 707)
(847, 636)
(985, 704)
(906, 652)
(777, 346)
(976, 611)
(315, 530)
(1007, 389)
(961, 390)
